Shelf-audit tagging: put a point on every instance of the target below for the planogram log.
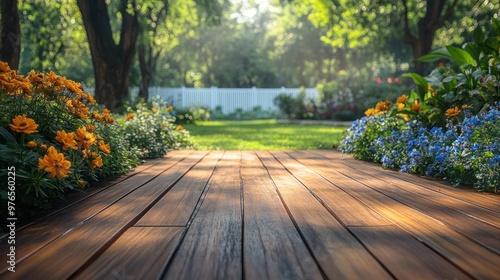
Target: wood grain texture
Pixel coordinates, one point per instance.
(483, 233)
(487, 200)
(349, 210)
(454, 246)
(404, 256)
(177, 206)
(64, 256)
(212, 247)
(36, 236)
(272, 247)
(271, 215)
(140, 253)
(333, 246)
(467, 208)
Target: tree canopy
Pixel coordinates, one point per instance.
(114, 45)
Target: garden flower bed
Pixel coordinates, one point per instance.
(449, 127)
(55, 138)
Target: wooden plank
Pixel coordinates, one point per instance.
(140, 253)
(486, 200)
(211, 248)
(272, 247)
(31, 239)
(467, 208)
(177, 206)
(457, 248)
(483, 233)
(350, 211)
(404, 256)
(93, 236)
(333, 246)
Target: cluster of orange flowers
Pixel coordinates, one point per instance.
(50, 85)
(54, 162)
(68, 94)
(381, 107)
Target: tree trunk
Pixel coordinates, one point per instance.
(10, 40)
(427, 26)
(111, 61)
(146, 73)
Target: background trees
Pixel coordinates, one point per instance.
(233, 43)
(10, 33)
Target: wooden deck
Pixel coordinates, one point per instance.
(265, 215)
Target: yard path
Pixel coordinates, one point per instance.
(264, 215)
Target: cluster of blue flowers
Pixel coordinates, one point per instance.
(467, 153)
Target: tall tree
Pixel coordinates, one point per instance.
(10, 38)
(381, 23)
(111, 60)
(437, 12)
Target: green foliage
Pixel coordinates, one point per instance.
(449, 126)
(55, 137)
(255, 113)
(150, 128)
(472, 81)
(294, 107)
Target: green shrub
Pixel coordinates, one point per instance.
(56, 137)
(150, 128)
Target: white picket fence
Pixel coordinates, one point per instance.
(229, 99)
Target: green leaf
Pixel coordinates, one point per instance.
(478, 34)
(420, 81)
(435, 55)
(7, 136)
(461, 56)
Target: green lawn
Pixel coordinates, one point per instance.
(263, 135)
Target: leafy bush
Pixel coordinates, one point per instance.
(239, 114)
(150, 128)
(191, 114)
(449, 127)
(465, 153)
(295, 107)
(56, 137)
(351, 95)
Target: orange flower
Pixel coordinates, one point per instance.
(43, 147)
(31, 144)
(370, 112)
(415, 106)
(106, 115)
(383, 106)
(105, 148)
(405, 117)
(4, 67)
(84, 139)
(78, 108)
(180, 128)
(23, 124)
(402, 99)
(66, 139)
(73, 86)
(85, 153)
(401, 106)
(452, 112)
(35, 77)
(129, 116)
(465, 107)
(96, 162)
(90, 127)
(90, 99)
(55, 164)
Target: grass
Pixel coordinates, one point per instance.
(263, 135)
